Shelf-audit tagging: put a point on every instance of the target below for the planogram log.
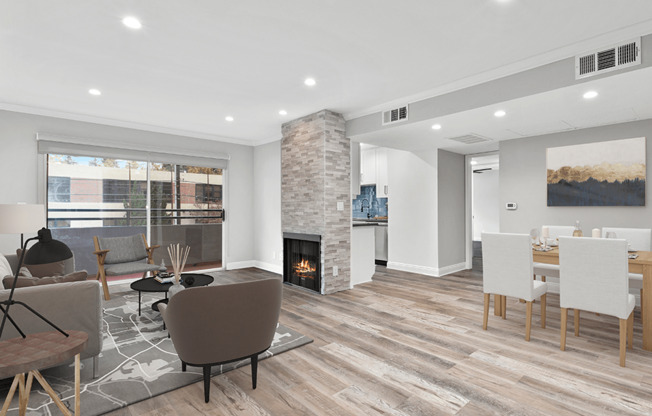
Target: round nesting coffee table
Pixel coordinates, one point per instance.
(150, 284)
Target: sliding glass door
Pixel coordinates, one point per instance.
(109, 197)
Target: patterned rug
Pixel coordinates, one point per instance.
(137, 362)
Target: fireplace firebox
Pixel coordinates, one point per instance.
(302, 260)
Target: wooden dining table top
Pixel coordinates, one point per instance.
(552, 256)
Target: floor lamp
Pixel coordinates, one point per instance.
(16, 219)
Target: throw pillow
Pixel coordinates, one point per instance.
(57, 268)
(5, 268)
(37, 281)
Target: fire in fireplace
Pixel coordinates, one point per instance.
(302, 260)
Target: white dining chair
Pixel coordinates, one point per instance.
(640, 239)
(594, 278)
(507, 271)
(552, 270)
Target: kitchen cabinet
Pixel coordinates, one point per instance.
(380, 234)
(355, 169)
(382, 190)
(373, 164)
(368, 166)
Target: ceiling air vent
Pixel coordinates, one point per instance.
(470, 139)
(395, 115)
(604, 60)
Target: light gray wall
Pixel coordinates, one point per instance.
(412, 210)
(450, 191)
(19, 169)
(523, 180)
(268, 244)
(486, 203)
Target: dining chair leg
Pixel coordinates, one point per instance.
(543, 310)
(576, 321)
(485, 317)
(528, 320)
(642, 317)
(503, 302)
(564, 323)
(497, 305)
(623, 335)
(630, 331)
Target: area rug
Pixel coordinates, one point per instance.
(137, 362)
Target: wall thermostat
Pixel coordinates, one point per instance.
(511, 206)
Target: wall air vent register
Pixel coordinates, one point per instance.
(608, 59)
(395, 115)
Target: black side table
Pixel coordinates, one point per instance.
(150, 284)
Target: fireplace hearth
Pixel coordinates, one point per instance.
(302, 260)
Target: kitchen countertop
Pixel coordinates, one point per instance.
(363, 222)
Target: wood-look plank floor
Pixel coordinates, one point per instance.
(408, 344)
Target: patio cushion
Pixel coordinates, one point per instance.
(123, 249)
(129, 268)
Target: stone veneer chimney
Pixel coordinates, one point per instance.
(315, 176)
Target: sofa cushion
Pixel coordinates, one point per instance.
(5, 268)
(24, 281)
(74, 305)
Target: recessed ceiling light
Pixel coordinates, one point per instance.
(474, 162)
(94, 91)
(590, 94)
(500, 113)
(310, 82)
(228, 118)
(283, 113)
(436, 126)
(131, 22)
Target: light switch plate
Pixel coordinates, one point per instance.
(335, 271)
(340, 206)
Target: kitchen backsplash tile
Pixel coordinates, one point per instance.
(368, 203)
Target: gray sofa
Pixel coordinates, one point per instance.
(73, 305)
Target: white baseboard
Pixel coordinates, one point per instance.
(412, 268)
(240, 264)
(274, 268)
(270, 267)
(428, 271)
(443, 271)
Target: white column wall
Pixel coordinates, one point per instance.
(268, 244)
(412, 211)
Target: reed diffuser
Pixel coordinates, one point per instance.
(178, 258)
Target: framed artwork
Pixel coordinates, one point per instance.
(610, 173)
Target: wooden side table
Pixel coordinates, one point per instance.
(41, 350)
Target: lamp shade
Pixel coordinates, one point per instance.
(21, 218)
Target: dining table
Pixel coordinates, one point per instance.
(642, 264)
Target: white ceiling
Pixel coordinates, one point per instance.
(195, 62)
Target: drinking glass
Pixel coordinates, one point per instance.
(534, 235)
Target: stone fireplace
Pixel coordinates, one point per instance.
(302, 260)
(316, 192)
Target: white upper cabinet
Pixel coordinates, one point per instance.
(381, 173)
(368, 166)
(374, 169)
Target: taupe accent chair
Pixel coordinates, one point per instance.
(215, 325)
(117, 256)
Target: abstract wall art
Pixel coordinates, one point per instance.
(610, 173)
